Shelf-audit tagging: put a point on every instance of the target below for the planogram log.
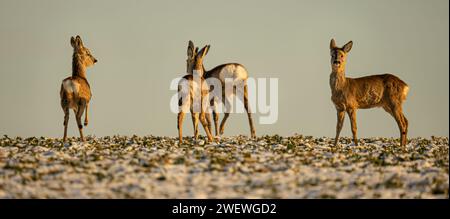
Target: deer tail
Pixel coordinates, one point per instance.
(405, 92)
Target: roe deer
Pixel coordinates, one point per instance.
(194, 90)
(234, 71)
(350, 94)
(75, 91)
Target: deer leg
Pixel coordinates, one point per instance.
(66, 122)
(216, 122)
(215, 116)
(222, 124)
(184, 104)
(180, 126)
(205, 126)
(399, 118)
(340, 122)
(86, 116)
(352, 116)
(405, 123)
(205, 115)
(249, 114)
(226, 115)
(195, 118)
(208, 120)
(78, 114)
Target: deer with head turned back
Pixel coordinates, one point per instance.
(234, 72)
(349, 94)
(75, 91)
(193, 93)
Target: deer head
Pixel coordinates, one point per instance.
(82, 54)
(198, 62)
(190, 61)
(339, 55)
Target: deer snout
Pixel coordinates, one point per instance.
(337, 62)
(95, 60)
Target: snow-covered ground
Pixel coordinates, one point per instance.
(237, 167)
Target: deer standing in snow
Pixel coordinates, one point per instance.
(75, 91)
(349, 94)
(193, 94)
(233, 72)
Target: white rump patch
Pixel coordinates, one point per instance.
(405, 91)
(71, 87)
(236, 72)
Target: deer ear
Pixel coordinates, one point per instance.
(73, 42)
(79, 41)
(190, 49)
(202, 52)
(347, 47)
(332, 44)
(207, 49)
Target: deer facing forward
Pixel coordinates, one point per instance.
(75, 91)
(349, 94)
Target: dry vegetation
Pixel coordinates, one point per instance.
(269, 167)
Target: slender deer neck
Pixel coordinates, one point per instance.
(198, 72)
(337, 78)
(78, 69)
(199, 68)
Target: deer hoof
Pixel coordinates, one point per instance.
(85, 123)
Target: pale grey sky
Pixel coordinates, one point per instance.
(141, 47)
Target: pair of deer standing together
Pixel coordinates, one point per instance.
(348, 94)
